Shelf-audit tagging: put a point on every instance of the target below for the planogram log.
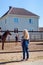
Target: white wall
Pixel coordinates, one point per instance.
(2, 23)
(23, 23)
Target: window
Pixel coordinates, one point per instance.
(31, 30)
(15, 19)
(30, 21)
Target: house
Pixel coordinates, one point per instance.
(40, 28)
(19, 18)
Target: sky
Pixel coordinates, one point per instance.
(35, 6)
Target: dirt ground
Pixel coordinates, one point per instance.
(13, 46)
(12, 52)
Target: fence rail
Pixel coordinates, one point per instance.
(34, 35)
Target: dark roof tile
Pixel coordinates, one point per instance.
(19, 11)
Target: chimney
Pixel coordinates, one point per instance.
(10, 7)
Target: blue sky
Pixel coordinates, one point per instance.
(35, 6)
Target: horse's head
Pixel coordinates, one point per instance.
(8, 32)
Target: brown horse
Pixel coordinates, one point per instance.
(3, 38)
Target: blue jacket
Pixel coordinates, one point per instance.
(25, 42)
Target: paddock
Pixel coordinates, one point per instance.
(16, 46)
(13, 53)
(13, 50)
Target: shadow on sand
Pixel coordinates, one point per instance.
(21, 51)
(3, 63)
(40, 44)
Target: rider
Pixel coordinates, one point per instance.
(16, 37)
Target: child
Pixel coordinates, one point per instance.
(25, 42)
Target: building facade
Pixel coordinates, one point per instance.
(19, 18)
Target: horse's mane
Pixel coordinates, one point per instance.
(4, 33)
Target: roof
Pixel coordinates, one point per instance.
(19, 11)
(40, 28)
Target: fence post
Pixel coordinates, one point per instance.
(2, 45)
(41, 35)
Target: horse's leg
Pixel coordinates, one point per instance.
(2, 45)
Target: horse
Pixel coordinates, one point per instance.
(3, 37)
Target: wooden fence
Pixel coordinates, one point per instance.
(34, 35)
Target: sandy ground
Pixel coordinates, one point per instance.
(40, 62)
(16, 59)
(11, 54)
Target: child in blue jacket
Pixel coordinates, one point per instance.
(25, 42)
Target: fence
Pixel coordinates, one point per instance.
(34, 35)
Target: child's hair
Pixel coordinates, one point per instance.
(26, 34)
